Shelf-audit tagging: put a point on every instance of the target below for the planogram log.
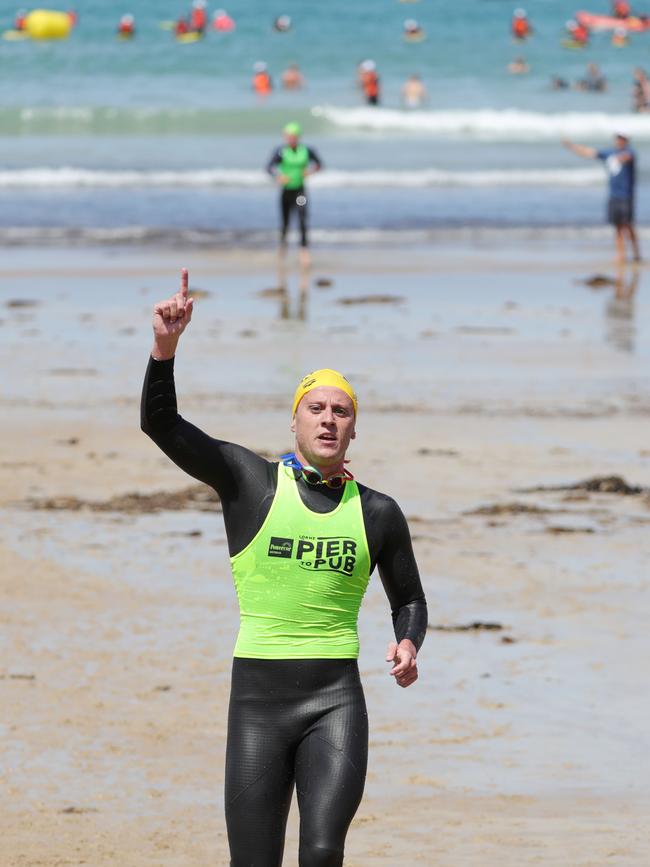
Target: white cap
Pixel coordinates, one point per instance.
(260, 66)
(368, 65)
(622, 133)
(127, 19)
(520, 13)
(410, 24)
(571, 24)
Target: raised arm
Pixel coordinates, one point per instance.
(243, 480)
(580, 150)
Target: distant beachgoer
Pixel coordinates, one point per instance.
(518, 66)
(578, 35)
(262, 81)
(594, 81)
(640, 92)
(558, 83)
(620, 162)
(290, 164)
(620, 37)
(282, 23)
(621, 9)
(413, 32)
(126, 26)
(369, 81)
(520, 26)
(223, 22)
(199, 16)
(414, 93)
(19, 20)
(292, 77)
(181, 27)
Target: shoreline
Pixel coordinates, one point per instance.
(491, 373)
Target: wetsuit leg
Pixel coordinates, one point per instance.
(294, 719)
(330, 774)
(259, 771)
(287, 203)
(301, 205)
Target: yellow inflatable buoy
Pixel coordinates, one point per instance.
(47, 24)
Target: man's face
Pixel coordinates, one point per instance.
(620, 142)
(291, 140)
(324, 425)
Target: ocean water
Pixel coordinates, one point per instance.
(101, 139)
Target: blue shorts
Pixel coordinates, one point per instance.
(620, 212)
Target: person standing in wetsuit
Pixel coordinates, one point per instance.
(303, 538)
(290, 164)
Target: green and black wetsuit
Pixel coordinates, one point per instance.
(293, 162)
(301, 558)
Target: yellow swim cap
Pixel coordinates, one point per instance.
(317, 378)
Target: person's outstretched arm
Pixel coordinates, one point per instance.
(580, 150)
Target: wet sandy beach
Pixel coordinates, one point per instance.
(495, 386)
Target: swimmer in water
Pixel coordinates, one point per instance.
(262, 82)
(223, 22)
(369, 81)
(594, 81)
(292, 78)
(282, 24)
(414, 93)
(126, 26)
(303, 539)
(520, 25)
(640, 92)
(290, 164)
(518, 66)
(199, 16)
(412, 31)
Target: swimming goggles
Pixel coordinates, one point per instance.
(313, 476)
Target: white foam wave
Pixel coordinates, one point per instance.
(488, 124)
(71, 178)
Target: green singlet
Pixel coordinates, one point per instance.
(293, 165)
(301, 580)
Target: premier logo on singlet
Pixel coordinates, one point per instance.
(316, 553)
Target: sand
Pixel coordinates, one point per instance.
(486, 371)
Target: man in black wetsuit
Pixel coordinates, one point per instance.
(303, 537)
(290, 164)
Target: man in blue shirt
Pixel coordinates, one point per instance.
(620, 164)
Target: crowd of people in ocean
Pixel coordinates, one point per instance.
(577, 34)
(196, 22)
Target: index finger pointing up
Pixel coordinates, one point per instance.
(184, 281)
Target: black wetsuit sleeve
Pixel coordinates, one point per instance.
(391, 550)
(244, 481)
(276, 159)
(314, 158)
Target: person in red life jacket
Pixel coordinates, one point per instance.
(621, 9)
(369, 81)
(521, 28)
(262, 82)
(198, 16)
(19, 20)
(181, 27)
(126, 27)
(74, 18)
(577, 33)
(223, 22)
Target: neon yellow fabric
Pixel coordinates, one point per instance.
(301, 580)
(325, 376)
